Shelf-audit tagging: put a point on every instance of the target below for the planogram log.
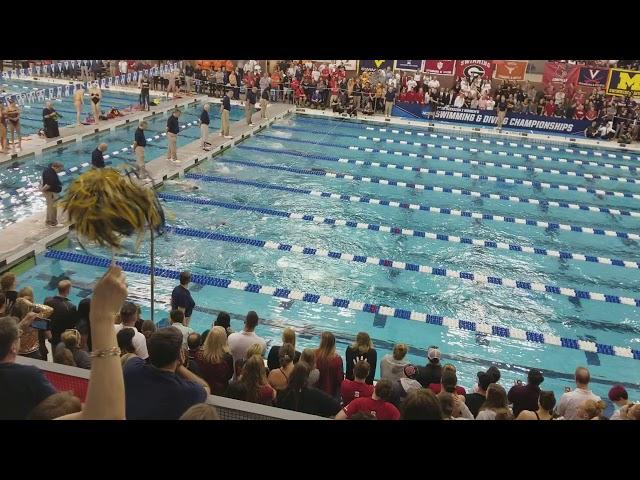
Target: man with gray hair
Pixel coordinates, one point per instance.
(23, 386)
(97, 157)
(50, 121)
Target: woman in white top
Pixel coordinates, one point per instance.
(495, 406)
(459, 101)
(392, 365)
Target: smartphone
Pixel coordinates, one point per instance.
(40, 324)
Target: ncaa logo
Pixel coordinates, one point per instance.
(474, 71)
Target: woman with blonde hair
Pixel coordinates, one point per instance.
(392, 365)
(254, 382)
(68, 350)
(288, 336)
(495, 406)
(279, 378)
(214, 361)
(591, 410)
(362, 349)
(29, 340)
(330, 365)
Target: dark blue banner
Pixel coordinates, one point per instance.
(593, 77)
(371, 65)
(409, 65)
(488, 118)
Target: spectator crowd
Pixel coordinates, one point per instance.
(141, 371)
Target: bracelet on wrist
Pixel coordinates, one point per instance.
(107, 352)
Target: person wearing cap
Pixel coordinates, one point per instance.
(358, 387)
(572, 400)
(432, 371)
(525, 397)
(475, 400)
(172, 135)
(402, 386)
(619, 396)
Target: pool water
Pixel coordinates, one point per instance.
(19, 180)
(249, 192)
(31, 113)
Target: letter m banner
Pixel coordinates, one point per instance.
(623, 82)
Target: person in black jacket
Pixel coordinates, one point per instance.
(65, 313)
(97, 156)
(362, 349)
(250, 104)
(204, 128)
(51, 187)
(432, 372)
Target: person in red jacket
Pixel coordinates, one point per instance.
(550, 108)
(377, 405)
(358, 387)
(330, 365)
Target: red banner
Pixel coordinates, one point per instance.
(474, 68)
(510, 69)
(439, 67)
(560, 72)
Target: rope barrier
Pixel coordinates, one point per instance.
(447, 322)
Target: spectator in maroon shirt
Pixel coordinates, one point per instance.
(550, 108)
(525, 397)
(254, 378)
(421, 404)
(438, 387)
(330, 365)
(214, 361)
(376, 405)
(357, 388)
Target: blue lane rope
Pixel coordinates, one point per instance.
(453, 191)
(569, 173)
(411, 206)
(424, 133)
(402, 231)
(450, 323)
(474, 277)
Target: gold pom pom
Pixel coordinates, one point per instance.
(105, 205)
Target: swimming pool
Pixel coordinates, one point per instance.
(31, 113)
(19, 180)
(320, 214)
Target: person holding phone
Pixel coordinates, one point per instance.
(29, 339)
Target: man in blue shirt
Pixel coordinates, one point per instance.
(51, 187)
(181, 297)
(22, 387)
(172, 136)
(225, 110)
(164, 388)
(139, 143)
(388, 104)
(204, 128)
(97, 157)
(250, 104)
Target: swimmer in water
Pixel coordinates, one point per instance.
(183, 185)
(78, 101)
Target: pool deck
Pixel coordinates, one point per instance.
(33, 144)
(31, 236)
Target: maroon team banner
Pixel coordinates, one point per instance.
(593, 77)
(439, 67)
(474, 68)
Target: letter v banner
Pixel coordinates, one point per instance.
(373, 65)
